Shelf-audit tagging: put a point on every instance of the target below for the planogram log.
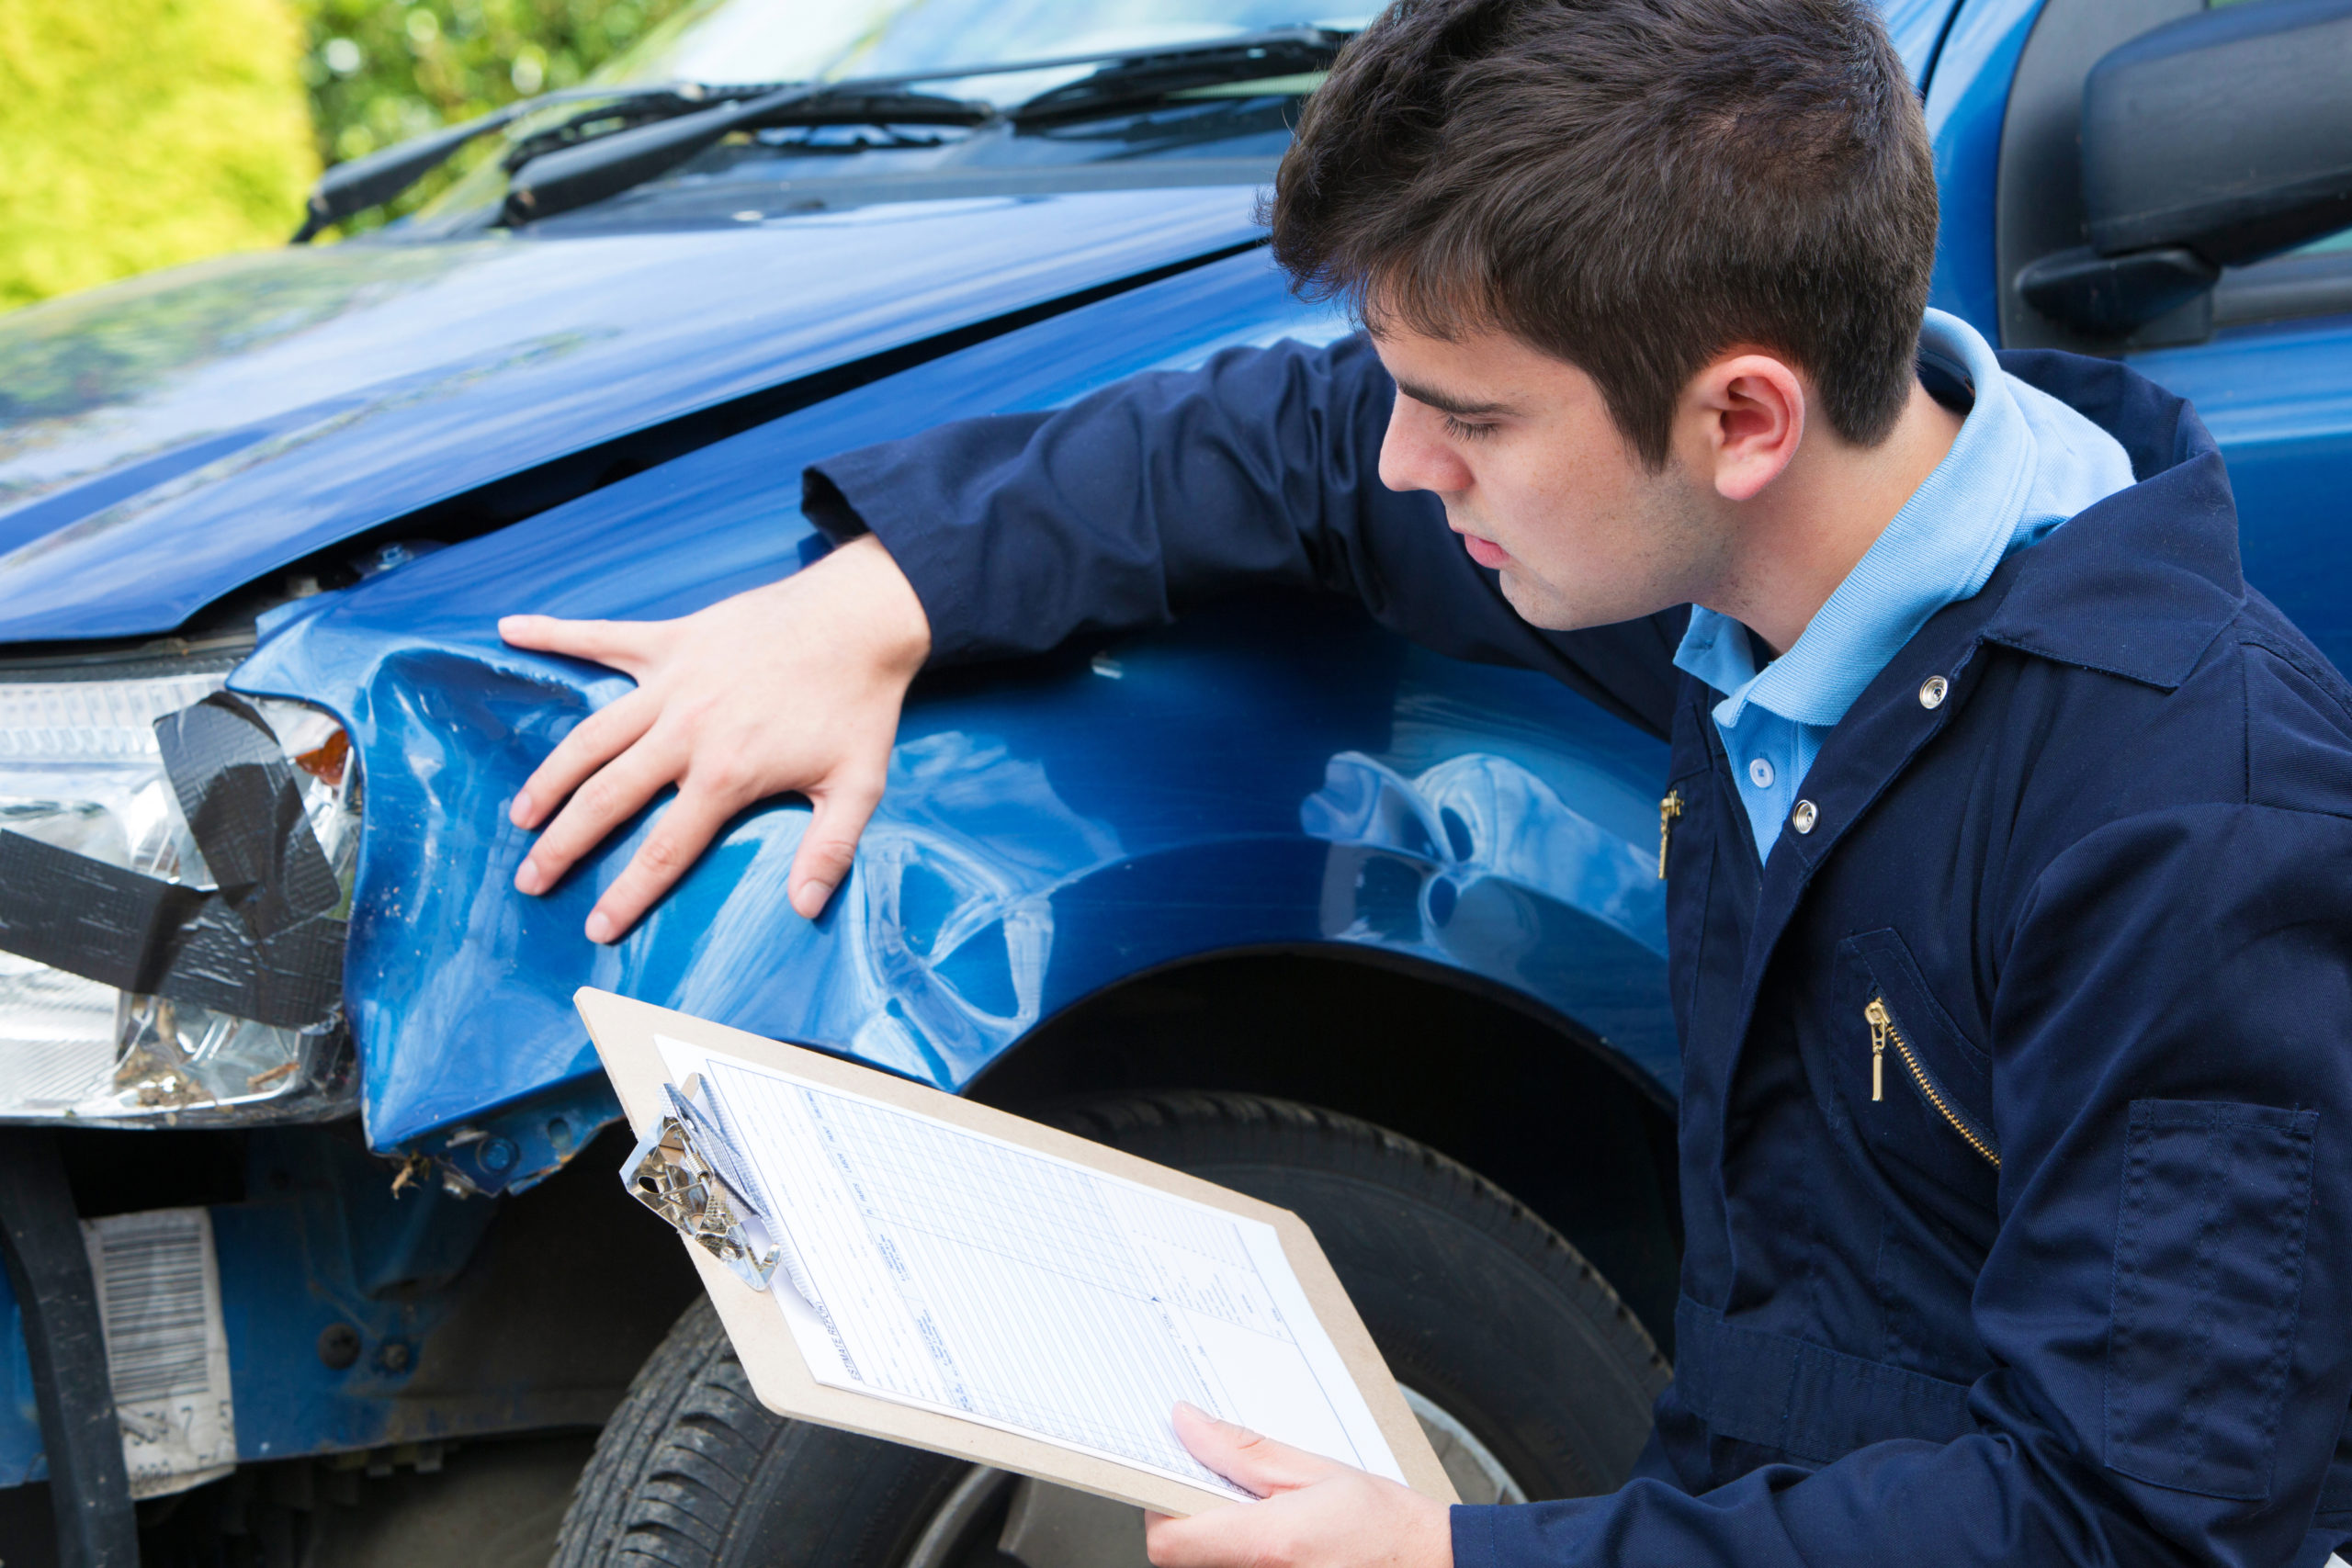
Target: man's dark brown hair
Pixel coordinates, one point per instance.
(1631, 186)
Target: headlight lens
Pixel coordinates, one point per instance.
(81, 770)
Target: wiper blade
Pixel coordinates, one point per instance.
(1149, 79)
(362, 183)
(589, 171)
(593, 170)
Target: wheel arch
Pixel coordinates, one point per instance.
(1582, 1136)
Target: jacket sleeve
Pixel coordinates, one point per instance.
(1258, 469)
(2168, 1294)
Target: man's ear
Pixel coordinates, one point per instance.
(1744, 415)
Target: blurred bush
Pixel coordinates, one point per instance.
(137, 133)
(380, 72)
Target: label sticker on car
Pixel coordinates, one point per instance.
(159, 1296)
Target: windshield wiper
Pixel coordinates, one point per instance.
(362, 183)
(606, 166)
(544, 184)
(1150, 78)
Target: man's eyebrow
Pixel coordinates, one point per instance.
(1454, 406)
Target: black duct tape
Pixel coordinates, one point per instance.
(263, 943)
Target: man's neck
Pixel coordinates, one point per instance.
(1805, 533)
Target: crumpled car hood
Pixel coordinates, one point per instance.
(166, 440)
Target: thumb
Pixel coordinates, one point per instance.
(829, 844)
(1252, 1460)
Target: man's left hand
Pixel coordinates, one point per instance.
(1317, 1513)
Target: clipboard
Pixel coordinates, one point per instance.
(624, 1032)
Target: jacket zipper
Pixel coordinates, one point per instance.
(1667, 811)
(1884, 1034)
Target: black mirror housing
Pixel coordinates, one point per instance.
(2227, 133)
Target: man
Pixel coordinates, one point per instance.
(2011, 930)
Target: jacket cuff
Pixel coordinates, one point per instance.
(1474, 1534)
(850, 495)
(1531, 1535)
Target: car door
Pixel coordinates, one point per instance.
(2266, 354)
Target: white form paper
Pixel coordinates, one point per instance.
(950, 1270)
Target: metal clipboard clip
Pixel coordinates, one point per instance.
(685, 1171)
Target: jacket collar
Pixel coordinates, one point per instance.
(2138, 585)
(2141, 583)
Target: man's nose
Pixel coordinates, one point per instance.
(1414, 455)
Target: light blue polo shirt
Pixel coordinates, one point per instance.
(2022, 463)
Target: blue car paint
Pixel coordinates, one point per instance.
(281, 402)
(2278, 398)
(1967, 96)
(1015, 804)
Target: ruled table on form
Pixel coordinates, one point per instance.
(950, 1270)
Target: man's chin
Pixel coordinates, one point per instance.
(1546, 608)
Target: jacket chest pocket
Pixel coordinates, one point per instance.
(1917, 1089)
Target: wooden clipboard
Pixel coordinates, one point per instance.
(624, 1032)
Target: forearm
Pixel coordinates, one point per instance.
(1260, 469)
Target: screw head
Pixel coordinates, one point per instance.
(338, 1346)
(496, 1154)
(393, 1356)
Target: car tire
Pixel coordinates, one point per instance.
(1532, 1376)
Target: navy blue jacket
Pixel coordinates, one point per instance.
(2078, 1287)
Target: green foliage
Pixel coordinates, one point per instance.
(138, 133)
(380, 72)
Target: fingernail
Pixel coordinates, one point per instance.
(519, 813)
(529, 880)
(812, 898)
(600, 927)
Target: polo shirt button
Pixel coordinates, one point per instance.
(1932, 689)
(1804, 817)
(1759, 774)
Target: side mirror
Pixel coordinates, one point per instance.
(2212, 142)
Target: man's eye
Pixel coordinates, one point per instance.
(1463, 430)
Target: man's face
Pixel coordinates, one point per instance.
(1521, 448)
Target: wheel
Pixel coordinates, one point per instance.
(1530, 1376)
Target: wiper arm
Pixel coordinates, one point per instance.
(1151, 78)
(591, 171)
(363, 183)
(588, 172)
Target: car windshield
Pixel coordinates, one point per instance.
(792, 41)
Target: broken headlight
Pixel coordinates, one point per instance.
(175, 866)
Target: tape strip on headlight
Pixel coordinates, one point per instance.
(264, 943)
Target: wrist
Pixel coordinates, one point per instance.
(890, 613)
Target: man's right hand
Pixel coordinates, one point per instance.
(791, 688)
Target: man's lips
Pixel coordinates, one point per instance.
(1485, 552)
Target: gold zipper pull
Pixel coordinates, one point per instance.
(1881, 1025)
(1667, 811)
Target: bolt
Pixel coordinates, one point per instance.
(496, 1154)
(338, 1346)
(392, 1356)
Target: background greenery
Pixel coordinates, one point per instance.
(134, 133)
(378, 72)
(138, 133)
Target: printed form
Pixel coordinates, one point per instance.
(957, 1271)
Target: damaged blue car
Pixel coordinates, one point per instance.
(316, 1252)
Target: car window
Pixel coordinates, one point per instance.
(782, 41)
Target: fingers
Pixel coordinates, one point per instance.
(1249, 1459)
(843, 806)
(677, 841)
(616, 793)
(593, 741)
(617, 643)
